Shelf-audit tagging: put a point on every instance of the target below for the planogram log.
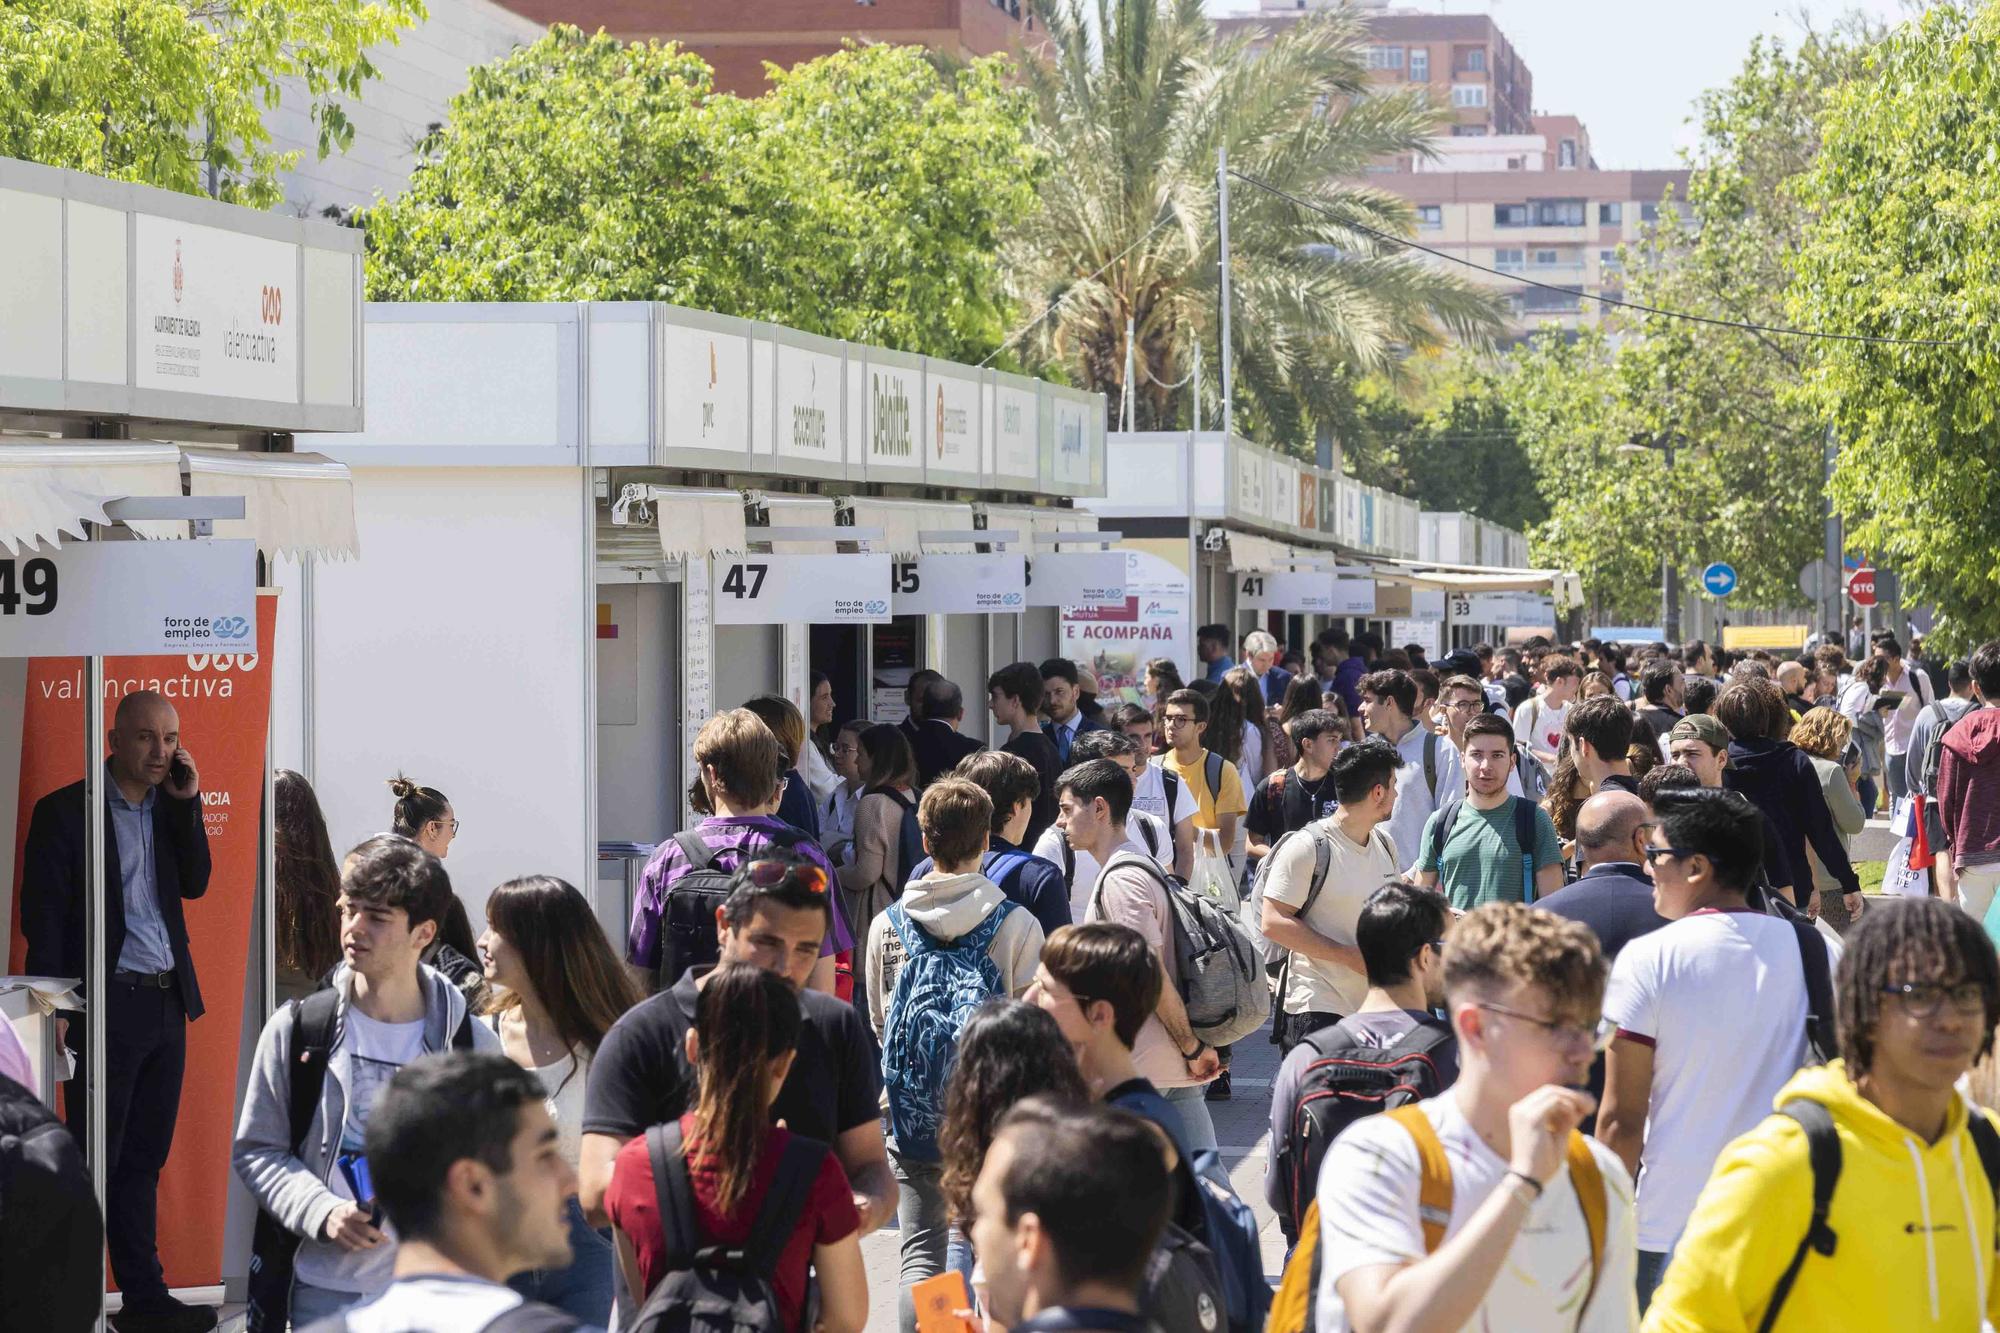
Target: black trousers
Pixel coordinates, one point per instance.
(145, 1054)
(1288, 1030)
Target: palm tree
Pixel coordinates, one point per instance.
(1132, 102)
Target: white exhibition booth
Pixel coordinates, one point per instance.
(1256, 537)
(589, 526)
(158, 354)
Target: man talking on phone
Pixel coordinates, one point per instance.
(156, 855)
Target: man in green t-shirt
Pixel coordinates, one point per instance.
(1482, 859)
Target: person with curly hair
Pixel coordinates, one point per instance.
(1823, 734)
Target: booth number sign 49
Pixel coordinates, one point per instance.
(28, 585)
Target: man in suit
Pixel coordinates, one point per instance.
(1613, 896)
(156, 855)
(939, 746)
(913, 701)
(1261, 648)
(1059, 700)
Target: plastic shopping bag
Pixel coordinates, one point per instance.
(1212, 874)
(1900, 877)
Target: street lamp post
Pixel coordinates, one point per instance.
(1670, 574)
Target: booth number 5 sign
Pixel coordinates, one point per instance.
(800, 589)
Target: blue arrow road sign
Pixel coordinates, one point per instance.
(1719, 579)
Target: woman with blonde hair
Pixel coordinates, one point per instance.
(1823, 733)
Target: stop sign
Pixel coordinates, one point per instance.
(1861, 586)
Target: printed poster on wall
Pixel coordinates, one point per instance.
(217, 311)
(1155, 620)
(224, 703)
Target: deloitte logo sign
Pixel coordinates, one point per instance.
(889, 419)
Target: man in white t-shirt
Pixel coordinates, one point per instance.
(1156, 791)
(1711, 1013)
(1324, 978)
(1092, 805)
(472, 1178)
(1143, 833)
(1431, 774)
(1513, 1249)
(1538, 722)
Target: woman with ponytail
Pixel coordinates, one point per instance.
(745, 1035)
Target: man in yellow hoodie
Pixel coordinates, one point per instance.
(1905, 1237)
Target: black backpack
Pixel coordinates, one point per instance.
(710, 1288)
(1344, 1082)
(273, 1246)
(1823, 1150)
(688, 939)
(1822, 1043)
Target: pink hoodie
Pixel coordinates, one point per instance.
(1969, 788)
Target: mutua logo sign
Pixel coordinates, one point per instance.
(889, 417)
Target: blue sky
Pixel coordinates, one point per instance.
(1633, 68)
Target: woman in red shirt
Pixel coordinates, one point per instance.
(746, 1032)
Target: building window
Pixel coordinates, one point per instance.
(1468, 94)
(1609, 259)
(1507, 260)
(1468, 131)
(1547, 258)
(1420, 64)
(1556, 212)
(1610, 215)
(1385, 57)
(1430, 216)
(1475, 60)
(1566, 153)
(1649, 212)
(1510, 215)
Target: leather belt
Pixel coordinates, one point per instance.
(152, 980)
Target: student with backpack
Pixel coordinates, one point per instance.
(1490, 846)
(321, 1063)
(1093, 801)
(725, 1220)
(673, 914)
(1867, 1200)
(1217, 788)
(1719, 971)
(1926, 757)
(887, 844)
(952, 942)
(1311, 888)
(1154, 790)
(1390, 1051)
(463, 1154)
(1009, 781)
(1431, 772)
(1481, 1207)
(1144, 834)
(1102, 984)
(1295, 796)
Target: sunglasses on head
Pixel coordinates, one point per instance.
(770, 874)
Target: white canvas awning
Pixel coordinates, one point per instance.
(1031, 522)
(797, 511)
(904, 521)
(47, 489)
(1565, 587)
(293, 504)
(698, 522)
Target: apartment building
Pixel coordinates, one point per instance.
(738, 39)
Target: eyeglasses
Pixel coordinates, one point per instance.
(768, 873)
(452, 822)
(1923, 999)
(847, 749)
(1465, 705)
(1178, 719)
(1597, 1035)
(1653, 854)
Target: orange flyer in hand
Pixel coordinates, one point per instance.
(939, 1301)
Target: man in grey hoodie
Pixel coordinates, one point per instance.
(386, 1009)
(952, 903)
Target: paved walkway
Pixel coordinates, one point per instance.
(1242, 1124)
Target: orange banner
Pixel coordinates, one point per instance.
(224, 702)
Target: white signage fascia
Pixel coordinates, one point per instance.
(1250, 481)
(704, 390)
(808, 414)
(1305, 592)
(959, 585)
(1016, 453)
(952, 404)
(808, 589)
(1069, 458)
(1353, 597)
(1077, 578)
(892, 424)
(1282, 494)
(129, 598)
(217, 312)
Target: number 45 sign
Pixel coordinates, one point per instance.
(801, 589)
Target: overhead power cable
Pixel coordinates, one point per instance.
(1070, 291)
(1409, 244)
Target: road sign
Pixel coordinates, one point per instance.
(1861, 586)
(1719, 580)
(1812, 580)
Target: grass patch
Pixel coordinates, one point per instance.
(1870, 875)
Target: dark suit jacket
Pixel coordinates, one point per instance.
(54, 877)
(1615, 900)
(1275, 682)
(939, 746)
(1083, 724)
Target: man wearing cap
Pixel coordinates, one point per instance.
(1702, 743)
(1061, 696)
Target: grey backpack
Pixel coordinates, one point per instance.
(1222, 980)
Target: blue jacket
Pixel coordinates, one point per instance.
(1028, 880)
(1276, 681)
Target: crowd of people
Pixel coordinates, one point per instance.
(1584, 1020)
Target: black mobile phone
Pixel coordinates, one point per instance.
(177, 772)
(1890, 699)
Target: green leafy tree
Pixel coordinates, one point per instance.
(864, 196)
(1448, 439)
(1906, 201)
(1132, 104)
(173, 92)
